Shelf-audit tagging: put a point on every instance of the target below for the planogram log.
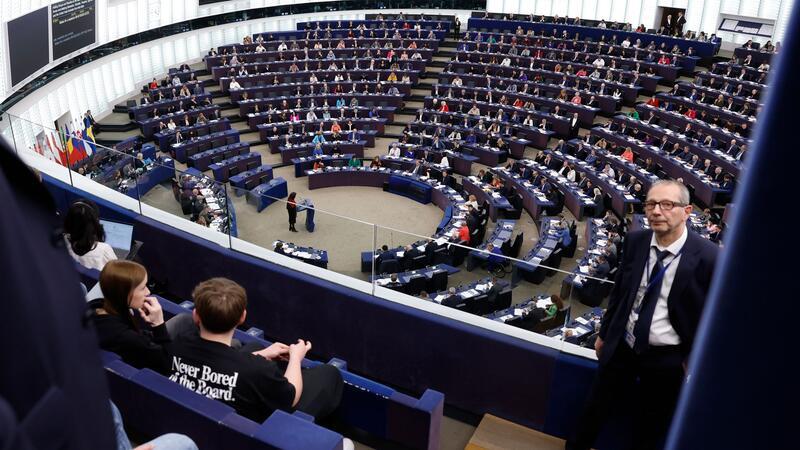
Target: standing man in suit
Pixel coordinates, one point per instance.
(653, 312)
(679, 23)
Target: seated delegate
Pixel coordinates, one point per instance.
(124, 287)
(255, 384)
(85, 235)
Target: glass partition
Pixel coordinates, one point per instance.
(544, 279)
(545, 283)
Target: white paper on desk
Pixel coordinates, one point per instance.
(584, 269)
(581, 321)
(439, 298)
(400, 254)
(383, 281)
(421, 248)
(505, 318)
(518, 311)
(543, 303)
(602, 242)
(595, 251)
(441, 241)
(481, 287)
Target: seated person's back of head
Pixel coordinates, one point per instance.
(85, 235)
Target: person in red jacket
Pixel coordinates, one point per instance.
(444, 107)
(653, 101)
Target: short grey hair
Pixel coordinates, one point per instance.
(684, 191)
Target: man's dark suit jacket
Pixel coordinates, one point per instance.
(53, 391)
(686, 298)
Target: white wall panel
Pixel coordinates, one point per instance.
(618, 8)
(633, 12)
(603, 9)
(543, 7)
(589, 9)
(574, 8)
(560, 7)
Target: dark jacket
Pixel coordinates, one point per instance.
(686, 298)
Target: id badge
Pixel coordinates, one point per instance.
(629, 337)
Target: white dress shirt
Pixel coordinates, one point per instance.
(661, 331)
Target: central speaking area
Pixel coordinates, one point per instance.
(344, 239)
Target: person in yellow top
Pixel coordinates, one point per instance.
(392, 77)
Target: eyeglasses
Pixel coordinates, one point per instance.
(666, 205)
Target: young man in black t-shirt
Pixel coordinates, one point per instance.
(255, 384)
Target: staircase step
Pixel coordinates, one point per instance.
(496, 433)
(116, 127)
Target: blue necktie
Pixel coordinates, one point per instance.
(641, 331)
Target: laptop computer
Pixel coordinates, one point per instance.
(120, 237)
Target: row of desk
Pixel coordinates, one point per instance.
(247, 180)
(486, 195)
(267, 193)
(306, 163)
(328, 148)
(459, 162)
(586, 114)
(144, 111)
(687, 62)
(560, 124)
(160, 171)
(151, 126)
(704, 49)
(166, 137)
(590, 290)
(192, 146)
(622, 201)
(267, 130)
(365, 43)
(516, 145)
(534, 201)
(368, 100)
(629, 93)
(307, 88)
(675, 119)
(254, 119)
(500, 237)
(309, 255)
(293, 80)
(704, 189)
(474, 297)
(216, 199)
(346, 60)
(543, 257)
(574, 199)
(667, 72)
(241, 163)
(275, 143)
(205, 158)
(728, 163)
